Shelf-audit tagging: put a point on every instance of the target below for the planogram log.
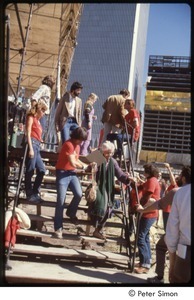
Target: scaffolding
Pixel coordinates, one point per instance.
(40, 41)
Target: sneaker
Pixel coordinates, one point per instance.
(137, 265)
(35, 198)
(58, 234)
(98, 235)
(155, 280)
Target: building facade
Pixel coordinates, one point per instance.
(110, 53)
(167, 114)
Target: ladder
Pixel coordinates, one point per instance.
(132, 220)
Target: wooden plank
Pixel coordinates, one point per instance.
(72, 253)
(50, 168)
(49, 204)
(48, 178)
(49, 191)
(53, 204)
(43, 218)
(43, 204)
(66, 273)
(53, 251)
(28, 232)
(34, 233)
(117, 240)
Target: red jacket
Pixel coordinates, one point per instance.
(10, 231)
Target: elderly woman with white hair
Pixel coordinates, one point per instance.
(100, 210)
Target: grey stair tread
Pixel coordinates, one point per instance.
(35, 233)
(26, 272)
(51, 178)
(28, 232)
(53, 204)
(53, 191)
(42, 218)
(49, 204)
(117, 240)
(53, 251)
(82, 238)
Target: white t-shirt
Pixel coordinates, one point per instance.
(72, 106)
(43, 92)
(178, 229)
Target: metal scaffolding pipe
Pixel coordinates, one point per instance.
(12, 89)
(7, 24)
(24, 51)
(19, 23)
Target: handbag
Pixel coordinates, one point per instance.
(91, 190)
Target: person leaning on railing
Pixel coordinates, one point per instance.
(178, 230)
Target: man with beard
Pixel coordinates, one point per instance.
(68, 113)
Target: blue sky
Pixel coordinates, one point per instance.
(169, 33)
(169, 30)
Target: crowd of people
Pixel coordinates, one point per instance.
(74, 132)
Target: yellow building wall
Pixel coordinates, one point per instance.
(152, 156)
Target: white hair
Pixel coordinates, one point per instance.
(108, 146)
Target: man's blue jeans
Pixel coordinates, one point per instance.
(65, 179)
(32, 164)
(144, 241)
(44, 124)
(69, 126)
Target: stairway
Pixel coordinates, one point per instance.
(37, 245)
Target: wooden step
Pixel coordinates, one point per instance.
(67, 274)
(90, 239)
(50, 168)
(49, 204)
(46, 190)
(53, 204)
(39, 234)
(33, 233)
(82, 238)
(42, 218)
(71, 253)
(68, 236)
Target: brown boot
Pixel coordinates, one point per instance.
(98, 235)
(141, 270)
